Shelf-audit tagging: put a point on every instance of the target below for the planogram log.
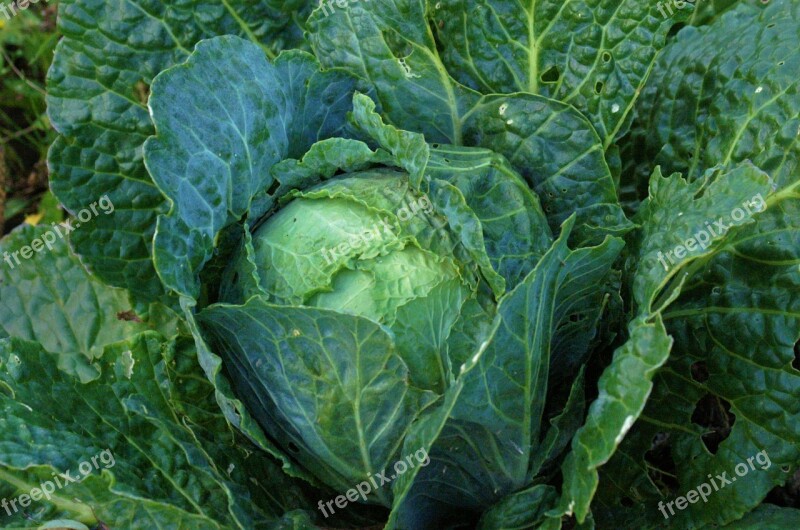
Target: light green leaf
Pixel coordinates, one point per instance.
(467, 229)
(64, 524)
(623, 390)
(409, 149)
(423, 326)
(473, 326)
(322, 161)
(51, 299)
(678, 212)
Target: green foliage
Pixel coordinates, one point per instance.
(552, 246)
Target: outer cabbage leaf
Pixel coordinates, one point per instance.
(97, 95)
(232, 408)
(468, 230)
(734, 97)
(409, 149)
(677, 211)
(51, 299)
(708, 12)
(212, 154)
(513, 224)
(736, 327)
(559, 153)
(484, 453)
(591, 54)
(736, 322)
(174, 461)
(624, 389)
(627, 383)
(767, 517)
(426, 430)
(388, 44)
(562, 426)
(330, 386)
(522, 510)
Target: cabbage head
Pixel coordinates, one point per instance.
(357, 294)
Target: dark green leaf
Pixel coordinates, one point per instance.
(211, 155)
(330, 387)
(590, 54)
(170, 459)
(486, 449)
(97, 96)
